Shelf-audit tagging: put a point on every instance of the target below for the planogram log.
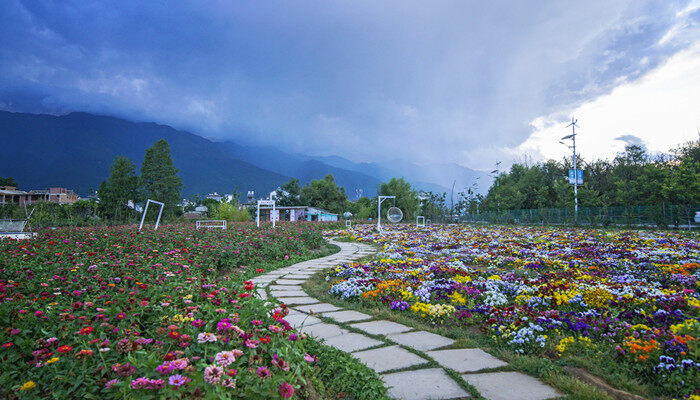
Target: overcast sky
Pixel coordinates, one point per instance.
(470, 82)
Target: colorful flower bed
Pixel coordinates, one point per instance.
(630, 297)
(113, 312)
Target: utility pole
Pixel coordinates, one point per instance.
(497, 172)
(573, 138)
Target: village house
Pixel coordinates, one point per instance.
(10, 195)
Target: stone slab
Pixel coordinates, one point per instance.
(423, 384)
(301, 319)
(289, 293)
(285, 287)
(510, 386)
(465, 360)
(352, 342)
(347, 316)
(289, 281)
(290, 301)
(298, 276)
(388, 358)
(323, 330)
(318, 308)
(381, 327)
(262, 293)
(421, 340)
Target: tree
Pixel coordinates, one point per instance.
(325, 194)
(406, 197)
(120, 187)
(9, 181)
(159, 179)
(289, 194)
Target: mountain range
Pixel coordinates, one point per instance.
(76, 150)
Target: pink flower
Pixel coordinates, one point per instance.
(280, 363)
(309, 357)
(111, 383)
(140, 383)
(263, 372)
(198, 323)
(224, 358)
(213, 374)
(206, 337)
(251, 343)
(228, 382)
(274, 328)
(286, 390)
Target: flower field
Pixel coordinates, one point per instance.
(116, 313)
(627, 300)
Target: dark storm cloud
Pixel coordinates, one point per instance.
(436, 80)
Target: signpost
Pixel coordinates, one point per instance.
(579, 177)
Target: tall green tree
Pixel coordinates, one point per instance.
(325, 194)
(289, 194)
(9, 181)
(406, 197)
(159, 179)
(120, 187)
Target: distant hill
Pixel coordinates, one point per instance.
(77, 149)
(437, 177)
(304, 168)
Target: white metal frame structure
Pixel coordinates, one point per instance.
(212, 223)
(380, 199)
(420, 221)
(348, 224)
(264, 205)
(145, 209)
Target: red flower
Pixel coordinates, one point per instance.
(64, 349)
(286, 390)
(86, 331)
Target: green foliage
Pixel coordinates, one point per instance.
(80, 213)
(406, 197)
(433, 206)
(159, 179)
(229, 212)
(120, 187)
(9, 181)
(289, 194)
(325, 194)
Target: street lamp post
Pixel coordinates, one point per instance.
(379, 210)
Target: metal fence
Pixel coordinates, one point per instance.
(663, 215)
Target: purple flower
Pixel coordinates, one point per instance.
(178, 380)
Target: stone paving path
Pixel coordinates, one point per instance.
(407, 373)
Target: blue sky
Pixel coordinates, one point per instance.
(438, 81)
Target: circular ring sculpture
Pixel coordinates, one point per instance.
(394, 215)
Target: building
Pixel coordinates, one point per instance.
(10, 195)
(298, 213)
(215, 196)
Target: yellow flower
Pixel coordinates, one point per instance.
(52, 360)
(28, 385)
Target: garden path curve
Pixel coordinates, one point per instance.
(411, 363)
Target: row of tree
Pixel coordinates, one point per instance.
(632, 178)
